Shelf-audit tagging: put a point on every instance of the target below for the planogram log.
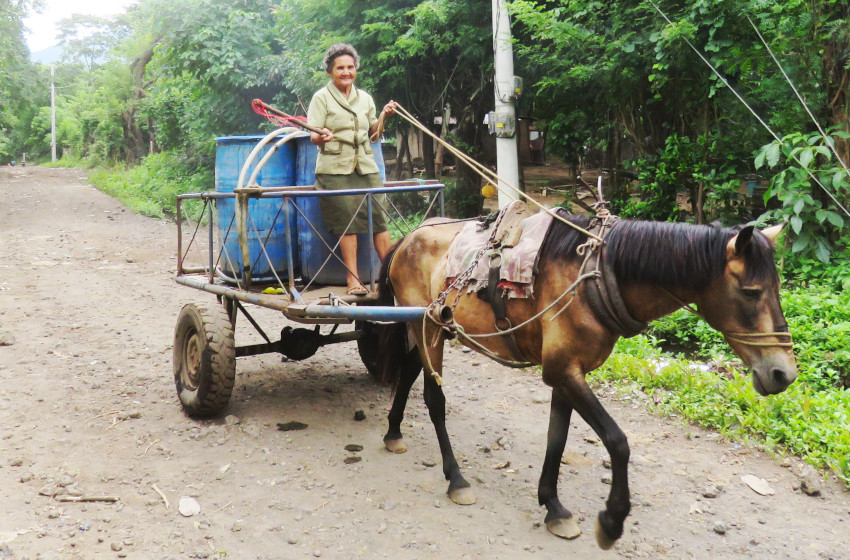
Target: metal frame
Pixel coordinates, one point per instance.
(329, 308)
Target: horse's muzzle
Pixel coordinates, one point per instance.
(770, 381)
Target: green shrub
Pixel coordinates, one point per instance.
(802, 420)
(151, 188)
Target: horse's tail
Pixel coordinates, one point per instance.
(392, 337)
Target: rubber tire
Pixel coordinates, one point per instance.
(204, 359)
(367, 346)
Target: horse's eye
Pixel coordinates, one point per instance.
(751, 293)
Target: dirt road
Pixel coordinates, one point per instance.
(88, 409)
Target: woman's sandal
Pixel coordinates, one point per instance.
(357, 291)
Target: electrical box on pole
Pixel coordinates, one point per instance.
(502, 124)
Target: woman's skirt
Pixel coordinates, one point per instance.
(338, 211)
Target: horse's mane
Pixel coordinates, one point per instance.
(663, 253)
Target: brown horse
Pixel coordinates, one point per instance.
(728, 274)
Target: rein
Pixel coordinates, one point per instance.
(489, 176)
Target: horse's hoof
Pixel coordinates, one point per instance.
(463, 496)
(604, 541)
(395, 445)
(564, 528)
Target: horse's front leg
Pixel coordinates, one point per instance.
(574, 389)
(559, 520)
(410, 369)
(459, 491)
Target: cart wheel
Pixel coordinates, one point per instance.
(367, 346)
(204, 359)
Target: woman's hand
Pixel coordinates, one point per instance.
(389, 108)
(323, 138)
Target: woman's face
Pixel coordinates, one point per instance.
(343, 72)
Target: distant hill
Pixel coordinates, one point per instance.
(49, 55)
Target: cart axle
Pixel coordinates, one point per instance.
(297, 344)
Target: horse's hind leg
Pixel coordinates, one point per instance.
(559, 520)
(410, 369)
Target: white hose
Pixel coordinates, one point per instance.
(242, 201)
(296, 134)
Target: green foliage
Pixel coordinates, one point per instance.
(615, 79)
(17, 78)
(801, 420)
(224, 45)
(681, 168)
(151, 187)
(802, 270)
(819, 319)
(814, 211)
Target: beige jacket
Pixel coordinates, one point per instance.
(350, 120)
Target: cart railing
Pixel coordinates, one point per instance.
(284, 289)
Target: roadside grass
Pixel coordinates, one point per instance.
(70, 161)
(151, 188)
(805, 420)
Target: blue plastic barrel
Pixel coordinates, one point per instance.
(311, 249)
(267, 217)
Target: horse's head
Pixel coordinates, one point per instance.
(743, 304)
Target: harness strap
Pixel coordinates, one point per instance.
(496, 298)
(603, 293)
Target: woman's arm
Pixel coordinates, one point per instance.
(317, 114)
(378, 127)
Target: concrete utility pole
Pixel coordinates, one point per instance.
(507, 159)
(52, 117)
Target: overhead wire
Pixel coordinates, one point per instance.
(754, 113)
(800, 97)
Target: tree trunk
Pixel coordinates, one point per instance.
(136, 146)
(409, 160)
(428, 155)
(444, 130)
(698, 207)
(466, 196)
(836, 79)
(400, 151)
(468, 200)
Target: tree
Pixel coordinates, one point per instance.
(16, 77)
(618, 70)
(88, 40)
(434, 55)
(210, 59)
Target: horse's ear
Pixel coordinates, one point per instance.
(738, 244)
(773, 232)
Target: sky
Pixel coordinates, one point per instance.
(42, 27)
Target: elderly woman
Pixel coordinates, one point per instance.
(347, 118)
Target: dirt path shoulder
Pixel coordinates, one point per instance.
(88, 410)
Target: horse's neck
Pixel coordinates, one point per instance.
(647, 303)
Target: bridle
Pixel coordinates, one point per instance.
(747, 339)
(741, 338)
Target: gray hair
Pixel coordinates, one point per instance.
(340, 49)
